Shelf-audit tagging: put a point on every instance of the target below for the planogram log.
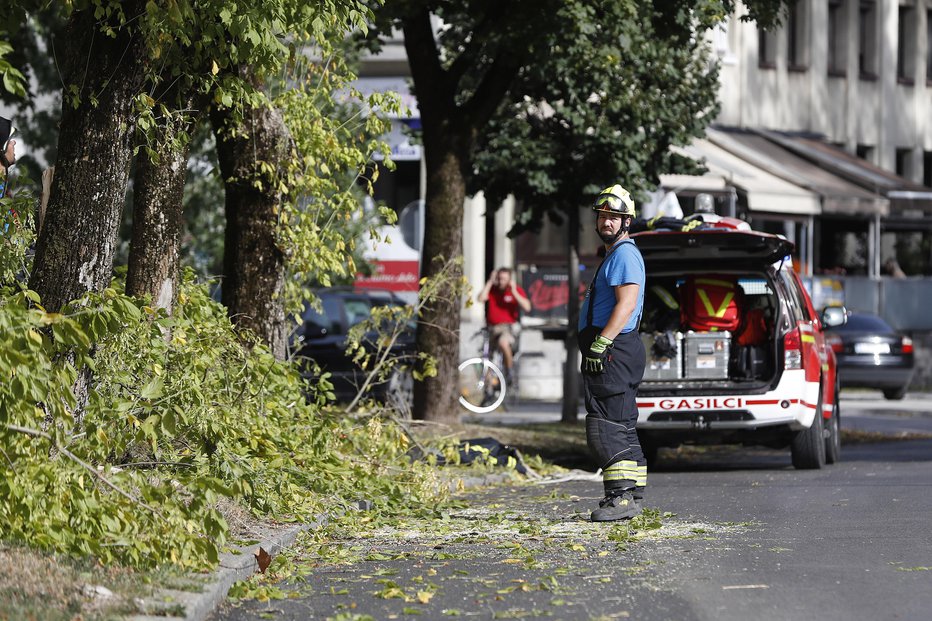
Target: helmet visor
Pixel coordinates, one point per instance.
(609, 202)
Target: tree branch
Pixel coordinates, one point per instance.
(491, 91)
(431, 81)
(36, 433)
(480, 34)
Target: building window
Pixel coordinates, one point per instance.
(797, 40)
(906, 45)
(927, 169)
(867, 40)
(766, 49)
(903, 161)
(865, 152)
(837, 39)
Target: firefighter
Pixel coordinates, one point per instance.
(614, 359)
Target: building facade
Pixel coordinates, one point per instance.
(855, 71)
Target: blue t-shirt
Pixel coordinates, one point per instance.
(624, 266)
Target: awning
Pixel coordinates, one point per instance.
(694, 183)
(902, 193)
(765, 191)
(838, 195)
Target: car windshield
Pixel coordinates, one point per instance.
(865, 323)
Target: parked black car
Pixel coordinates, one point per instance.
(871, 354)
(322, 338)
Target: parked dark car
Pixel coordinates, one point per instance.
(871, 354)
(322, 338)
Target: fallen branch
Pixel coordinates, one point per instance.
(36, 433)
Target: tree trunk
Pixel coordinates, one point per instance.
(450, 127)
(154, 252)
(253, 260)
(571, 369)
(438, 329)
(74, 252)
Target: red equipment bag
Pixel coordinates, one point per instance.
(755, 330)
(711, 303)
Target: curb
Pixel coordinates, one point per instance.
(233, 567)
(198, 603)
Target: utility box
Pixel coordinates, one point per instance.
(707, 355)
(663, 365)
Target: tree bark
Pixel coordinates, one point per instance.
(74, 252)
(155, 248)
(253, 259)
(438, 329)
(449, 133)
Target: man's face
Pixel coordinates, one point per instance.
(608, 226)
(502, 279)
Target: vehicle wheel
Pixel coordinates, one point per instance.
(481, 385)
(833, 433)
(808, 447)
(894, 394)
(399, 394)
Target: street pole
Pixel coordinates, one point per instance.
(571, 371)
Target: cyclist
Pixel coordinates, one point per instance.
(505, 302)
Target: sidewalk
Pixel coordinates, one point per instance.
(208, 592)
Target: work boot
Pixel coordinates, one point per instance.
(618, 507)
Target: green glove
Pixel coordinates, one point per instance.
(594, 362)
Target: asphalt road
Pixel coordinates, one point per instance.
(749, 538)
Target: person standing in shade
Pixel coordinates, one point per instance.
(506, 301)
(7, 153)
(614, 359)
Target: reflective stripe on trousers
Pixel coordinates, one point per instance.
(611, 406)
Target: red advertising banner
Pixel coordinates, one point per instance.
(549, 292)
(391, 275)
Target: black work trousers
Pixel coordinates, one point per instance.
(612, 413)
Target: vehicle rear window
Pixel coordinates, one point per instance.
(357, 310)
(755, 286)
(865, 323)
(329, 321)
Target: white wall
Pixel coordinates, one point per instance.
(848, 110)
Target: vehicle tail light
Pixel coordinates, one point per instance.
(792, 350)
(834, 341)
(907, 345)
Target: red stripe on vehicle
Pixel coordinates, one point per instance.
(762, 401)
(811, 406)
(645, 404)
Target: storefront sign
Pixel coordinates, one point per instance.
(391, 275)
(548, 291)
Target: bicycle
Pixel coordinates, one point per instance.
(481, 381)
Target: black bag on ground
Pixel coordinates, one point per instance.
(478, 448)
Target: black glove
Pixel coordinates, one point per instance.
(599, 351)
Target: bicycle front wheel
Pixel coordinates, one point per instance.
(481, 385)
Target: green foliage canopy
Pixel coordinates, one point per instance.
(607, 97)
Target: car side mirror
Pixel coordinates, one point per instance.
(834, 316)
